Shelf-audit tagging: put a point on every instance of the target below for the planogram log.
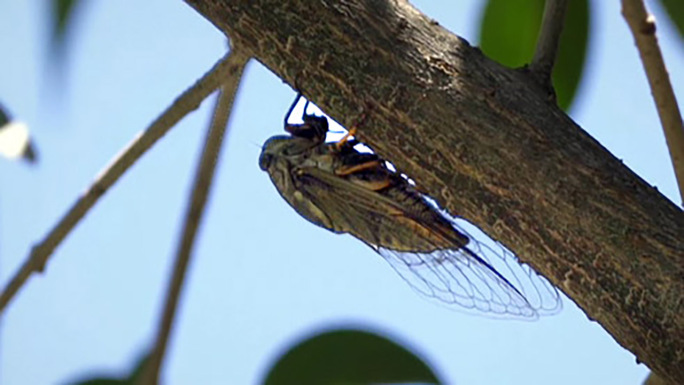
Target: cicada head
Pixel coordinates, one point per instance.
(281, 157)
(277, 160)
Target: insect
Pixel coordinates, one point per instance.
(344, 190)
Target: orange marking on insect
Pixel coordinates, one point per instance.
(352, 131)
(347, 170)
(377, 185)
(346, 137)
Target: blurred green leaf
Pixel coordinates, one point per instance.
(137, 371)
(675, 10)
(572, 52)
(509, 28)
(4, 116)
(508, 34)
(62, 13)
(349, 357)
(129, 379)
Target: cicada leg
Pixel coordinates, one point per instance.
(346, 137)
(306, 107)
(371, 175)
(312, 127)
(288, 115)
(351, 132)
(289, 111)
(347, 170)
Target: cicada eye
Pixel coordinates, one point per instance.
(265, 161)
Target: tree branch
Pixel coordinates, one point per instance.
(184, 104)
(643, 28)
(488, 147)
(548, 42)
(198, 199)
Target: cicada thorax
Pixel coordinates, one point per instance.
(426, 229)
(415, 227)
(406, 222)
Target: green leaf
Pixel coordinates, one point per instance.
(349, 357)
(508, 34)
(509, 28)
(4, 116)
(130, 379)
(62, 12)
(571, 53)
(675, 10)
(138, 370)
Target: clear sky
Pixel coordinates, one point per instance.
(262, 276)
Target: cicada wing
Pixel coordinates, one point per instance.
(478, 276)
(501, 286)
(541, 295)
(353, 209)
(453, 277)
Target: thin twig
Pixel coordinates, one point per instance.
(548, 41)
(185, 103)
(198, 199)
(643, 28)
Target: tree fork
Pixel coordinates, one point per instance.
(487, 144)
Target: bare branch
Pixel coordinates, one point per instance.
(643, 27)
(548, 41)
(198, 199)
(184, 104)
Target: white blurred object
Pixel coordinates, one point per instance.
(15, 141)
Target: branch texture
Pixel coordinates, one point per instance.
(643, 28)
(484, 142)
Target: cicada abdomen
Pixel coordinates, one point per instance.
(347, 191)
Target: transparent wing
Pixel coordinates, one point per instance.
(457, 277)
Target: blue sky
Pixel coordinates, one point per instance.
(262, 276)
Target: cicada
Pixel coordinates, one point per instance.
(342, 189)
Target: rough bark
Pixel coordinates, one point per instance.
(490, 147)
